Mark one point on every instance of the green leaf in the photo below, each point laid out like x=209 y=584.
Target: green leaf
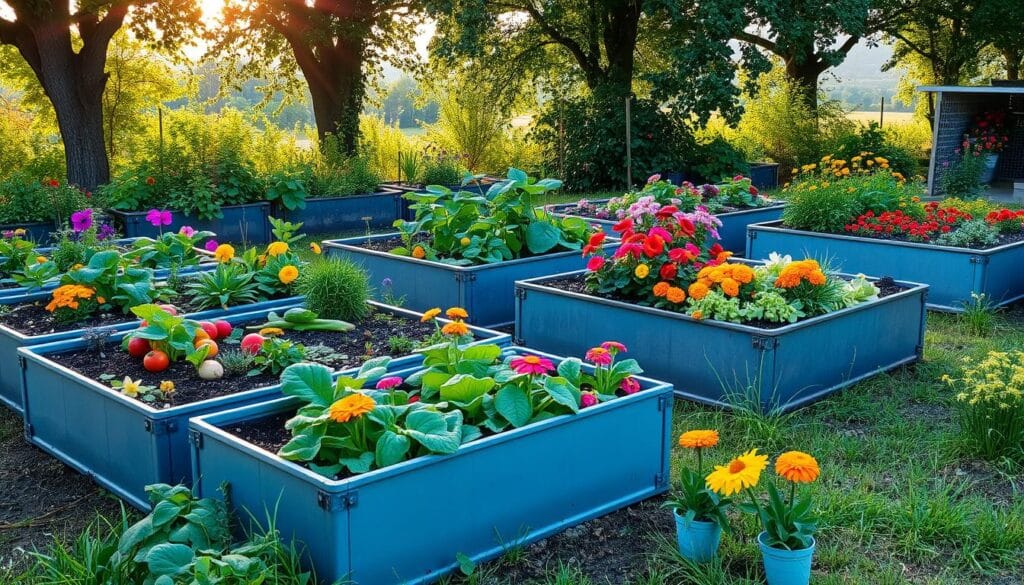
x=541 y=237
x=430 y=429
x=465 y=388
x=466 y=565
x=561 y=392
x=305 y=445
x=513 y=404
x=164 y=512
x=391 y=449
x=299 y=315
x=169 y=559
x=570 y=370
x=360 y=464
x=485 y=353
x=135 y=535
x=310 y=382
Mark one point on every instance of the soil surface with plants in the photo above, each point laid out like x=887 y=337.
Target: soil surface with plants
x=337 y=350
x=33 y=319
x=596 y=209
x=1002 y=239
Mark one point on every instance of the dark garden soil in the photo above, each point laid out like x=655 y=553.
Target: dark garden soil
x=33 y=319
x=1002 y=239
x=386 y=245
x=577 y=284
x=347 y=349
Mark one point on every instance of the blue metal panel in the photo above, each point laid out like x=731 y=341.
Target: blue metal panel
x=36 y=231
x=952 y=273
x=732 y=234
x=485 y=291
x=122 y=443
x=505 y=490
x=336 y=214
x=764 y=175
x=11 y=340
x=713 y=362
x=239 y=223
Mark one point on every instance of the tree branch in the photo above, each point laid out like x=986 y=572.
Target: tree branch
x=756 y=40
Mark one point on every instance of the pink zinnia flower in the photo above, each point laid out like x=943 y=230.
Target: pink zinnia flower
x=599 y=356
x=187 y=231
x=211 y=245
x=158 y=218
x=389 y=383
x=629 y=386
x=614 y=347
x=531 y=364
x=587 y=399
x=595 y=263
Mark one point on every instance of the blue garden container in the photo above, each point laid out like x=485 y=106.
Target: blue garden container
x=499 y=492
x=951 y=273
x=732 y=233
x=698 y=541
x=247 y=223
x=485 y=291
x=11 y=364
x=722 y=363
x=122 y=443
x=326 y=215
x=764 y=175
x=38 y=232
x=786 y=567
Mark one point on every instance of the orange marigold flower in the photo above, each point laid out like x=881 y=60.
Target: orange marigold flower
x=277 y=248
x=419 y=252
x=67 y=296
x=661 y=289
x=288 y=274
x=797 y=467
x=675 y=294
x=743 y=273
x=698 y=290
x=723 y=256
x=730 y=287
x=456 y=313
x=350 y=407
x=455 y=328
x=698 y=315
x=699 y=439
x=430 y=315
x=40 y=259
x=817 y=278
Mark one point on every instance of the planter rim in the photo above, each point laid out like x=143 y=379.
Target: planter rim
x=776 y=203
x=39 y=353
x=785 y=553
x=776 y=226
x=381 y=191
x=206 y=426
x=537 y=284
x=127 y=213
x=350 y=245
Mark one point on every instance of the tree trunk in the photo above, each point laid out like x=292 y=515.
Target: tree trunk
x=805 y=72
x=620 y=37
x=1013 y=62
x=337 y=87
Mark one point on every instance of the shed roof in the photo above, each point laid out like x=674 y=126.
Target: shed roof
x=981 y=89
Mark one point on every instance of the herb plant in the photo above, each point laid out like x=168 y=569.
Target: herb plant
x=335 y=289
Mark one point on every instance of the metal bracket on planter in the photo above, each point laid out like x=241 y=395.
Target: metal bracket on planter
x=29 y=431
x=520 y=293
x=196 y=438
x=659 y=480
x=336 y=502
x=461 y=276
x=751 y=234
x=979 y=260
x=662 y=403
x=160 y=427
x=22 y=362
x=763 y=342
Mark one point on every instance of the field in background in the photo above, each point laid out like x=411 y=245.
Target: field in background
x=890 y=117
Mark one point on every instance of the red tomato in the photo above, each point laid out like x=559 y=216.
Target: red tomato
x=137 y=347
x=210 y=329
x=223 y=329
x=156 y=361
x=252 y=343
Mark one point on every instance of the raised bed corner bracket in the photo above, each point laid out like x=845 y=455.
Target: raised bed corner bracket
x=979 y=259
x=160 y=427
x=464 y=276
x=763 y=342
x=196 y=438
x=336 y=502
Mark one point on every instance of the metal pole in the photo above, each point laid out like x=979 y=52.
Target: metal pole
x=160 y=122
x=881 y=114
x=629 y=146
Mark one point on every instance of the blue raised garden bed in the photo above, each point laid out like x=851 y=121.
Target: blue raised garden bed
x=951 y=273
x=10 y=340
x=38 y=232
x=485 y=291
x=732 y=234
x=409 y=214
x=350 y=212
x=720 y=363
x=764 y=175
x=122 y=443
x=499 y=492
x=238 y=223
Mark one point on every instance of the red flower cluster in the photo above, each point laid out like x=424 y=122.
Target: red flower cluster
x=1006 y=221
x=938 y=220
x=988 y=132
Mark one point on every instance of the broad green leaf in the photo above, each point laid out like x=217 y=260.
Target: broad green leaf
x=391 y=449
x=169 y=558
x=513 y=404
x=486 y=353
x=299 y=315
x=541 y=237
x=164 y=512
x=305 y=445
x=561 y=392
x=310 y=382
x=465 y=388
x=360 y=464
x=430 y=429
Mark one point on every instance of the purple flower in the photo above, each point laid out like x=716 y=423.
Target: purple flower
x=187 y=231
x=211 y=245
x=106 y=232
x=81 y=220
x=158 y=217
x=386 y=282
x=8 y=234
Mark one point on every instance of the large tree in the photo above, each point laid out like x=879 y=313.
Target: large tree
x=65 y=45
x=1003 y=24
x=335 y=44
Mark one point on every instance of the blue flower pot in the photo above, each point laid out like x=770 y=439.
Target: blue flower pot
x=698 y=541
x=786 y=567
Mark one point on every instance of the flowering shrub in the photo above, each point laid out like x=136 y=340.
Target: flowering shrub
x=937 y=220
x=737 y=192
x=1006 y=221
x=113 y=283
x=256 y=275
x=988 y=133
x=989 y=394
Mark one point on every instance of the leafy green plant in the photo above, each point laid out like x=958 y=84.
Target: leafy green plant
x=789 y=525
x=871 y=138
x=962 y=177
x=276 y=354
x=299 y=319
x=15 y=251
x=717 y=160
x=335 y=289
x=285 y=231
x=409 y=165
x=235 y=361
x=34 y=275
x=439 y=168
x=227 y=285
x=288 y=189
x=974 y=233
x=25 y=199
x=171 y=334
x=979 y=314
x=118 y=283
x=168 y=249
x=400 y=345
x=692 y=499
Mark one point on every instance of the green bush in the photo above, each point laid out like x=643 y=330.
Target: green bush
x=871 y=138
x=25 y=198
x=717 y=160
x=962 y=177
x=827 y=204
x=335 y=289
x=440 y=168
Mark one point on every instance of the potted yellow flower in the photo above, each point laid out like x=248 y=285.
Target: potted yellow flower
x=699 y=511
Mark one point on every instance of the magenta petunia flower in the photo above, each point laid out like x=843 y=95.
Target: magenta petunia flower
x=158 y=217
x=531 y=364
x=629 y=386
x=389 y=383
x=187 y=231
x=81 y=220
x=614 y=347
x=599 y=356
x=211 y=245
x=587 y=399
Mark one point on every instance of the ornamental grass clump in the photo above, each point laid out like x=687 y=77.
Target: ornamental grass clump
x=991 y=405
x=335 y=289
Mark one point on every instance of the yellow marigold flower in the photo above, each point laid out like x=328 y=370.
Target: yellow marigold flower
x=224 y=253
x=277 y=248
x=130 y=387
x=101 y=300
x=699 y=439
x=262 y=259
x=661 y=289
x=20 y=232
x=465 y=241
x=797 y=467
x=271 y=331
x=698 y=291
x=430 y=315
x=846 y=172
x=419 y=252
x=315 y=248
x=869 y=162
x=456 y=313
x=642 y=270
x=741 y=473
x=77 y=265
x=40 y=259
x=675 y=295
x=350 y=407
x=812 y=188
x=167 y=386
x=455 y=328
x=730 y=287
x=288 y=274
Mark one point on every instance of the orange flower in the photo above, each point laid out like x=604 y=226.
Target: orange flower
x=418 y=252
x=456 y=313
x=661 y=289
x=797 y=467
x=698 y=290
x=288 y=274
x=730 y=287
x=675 y=295
x=698 y=315
x=430 y=315
x=350 y=407
x=455 y=328
x=67 y=296
x=698 y=439
x=742 y=273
